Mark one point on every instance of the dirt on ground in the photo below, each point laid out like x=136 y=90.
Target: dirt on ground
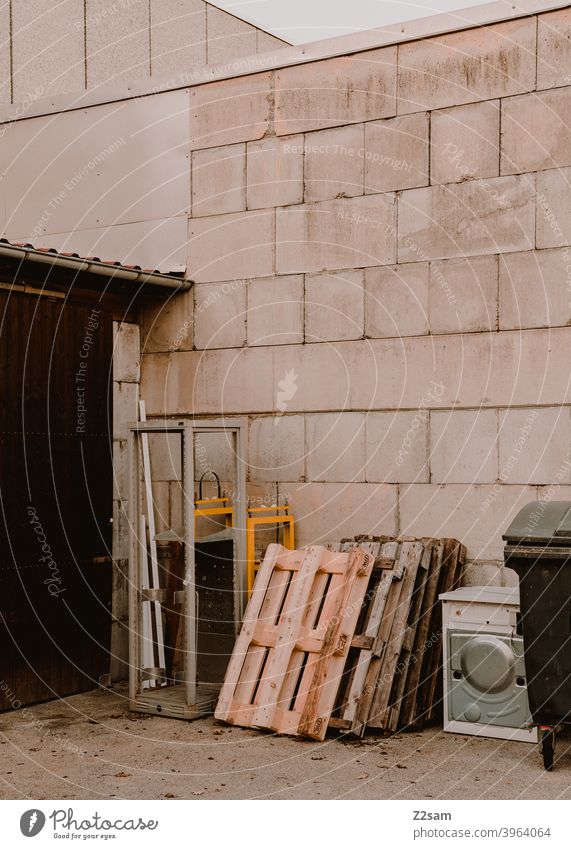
x=92 y=746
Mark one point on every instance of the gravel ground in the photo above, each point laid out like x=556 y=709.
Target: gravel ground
x=91 y=746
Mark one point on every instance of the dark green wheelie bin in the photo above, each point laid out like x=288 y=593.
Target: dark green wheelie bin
x=538 y=548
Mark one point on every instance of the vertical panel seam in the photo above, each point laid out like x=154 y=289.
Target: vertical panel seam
x=11 y=51
x=85 y=44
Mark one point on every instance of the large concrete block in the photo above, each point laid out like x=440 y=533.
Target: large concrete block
x=535 y=289
x=396 y=153
x=535 y=131
x=275 y=172
x=165 y=453
x=476 y=515
x=262 y=493
x=465 y=142
x=220 y=315
x=117 y=41
x=168 y=325
x=535 y=445
x=478 y=574
x=335 y=447
x=334 y=306
x=464 y=446
x=464 y=295
x=396 y=300
x=233 y=110
x=227 y=247
x=473 y=370
x=229 y=38
x=554 y=48
x=334 y=163
x=219 y=180
x=299 y=376
x=275 y=311
x=344 y=90
x=5 y=62
x=178 y=35
x=328 y=512
x=553 y=209
x=217 y=382
x=479 y=217
x=396 y=446
x=277 y=448
x=215 y=452
x=126 y=351
x=47 y=47
x=474 y=64
x=330 y=235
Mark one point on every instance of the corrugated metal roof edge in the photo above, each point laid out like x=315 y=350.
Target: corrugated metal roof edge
x=26 y=252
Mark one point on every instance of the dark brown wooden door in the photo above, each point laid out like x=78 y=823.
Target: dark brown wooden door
x=56 y=497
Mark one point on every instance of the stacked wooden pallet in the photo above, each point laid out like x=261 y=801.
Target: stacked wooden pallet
x=347 y=638
x=393 y=672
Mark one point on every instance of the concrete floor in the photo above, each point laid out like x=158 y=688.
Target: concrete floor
x=91 y=746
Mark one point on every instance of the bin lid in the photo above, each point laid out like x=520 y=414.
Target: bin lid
x=542 y=523
x=483 y=595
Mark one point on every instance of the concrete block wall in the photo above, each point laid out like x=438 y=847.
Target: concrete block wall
x=55 y=48
x=380 y=244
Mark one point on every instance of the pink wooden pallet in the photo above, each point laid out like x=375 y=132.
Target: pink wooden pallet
x=289 y=657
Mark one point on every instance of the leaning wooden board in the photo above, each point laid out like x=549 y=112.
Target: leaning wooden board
x=290 y=654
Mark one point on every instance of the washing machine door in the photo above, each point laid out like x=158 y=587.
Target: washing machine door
x=486 y=679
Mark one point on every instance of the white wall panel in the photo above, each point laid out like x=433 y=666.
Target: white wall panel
x=85 y=169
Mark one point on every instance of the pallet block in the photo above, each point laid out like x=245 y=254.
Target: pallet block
x=290 y=655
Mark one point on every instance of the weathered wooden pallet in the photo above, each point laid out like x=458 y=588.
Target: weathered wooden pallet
x=388 y=598
x=428 y=700
x=393 y=665
x=290 y=654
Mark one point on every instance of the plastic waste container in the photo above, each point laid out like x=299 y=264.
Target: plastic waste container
x=538 y=548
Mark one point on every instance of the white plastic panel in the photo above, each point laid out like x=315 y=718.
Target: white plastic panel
x=112 y=164
x=151 y=244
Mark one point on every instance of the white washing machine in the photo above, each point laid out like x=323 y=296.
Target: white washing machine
x=485 y=688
